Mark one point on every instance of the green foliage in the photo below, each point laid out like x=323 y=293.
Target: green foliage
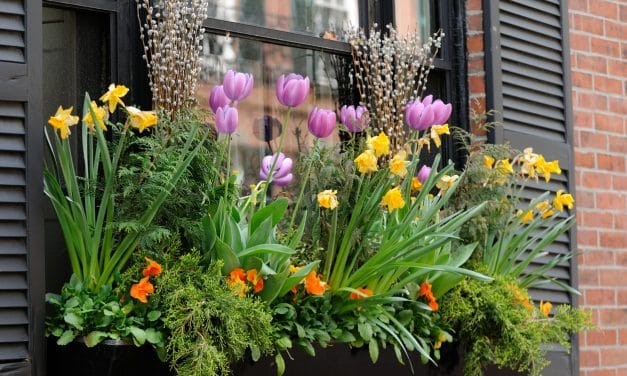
x=147 y=168
x=210 y=326
x=101 y=315
x=497 y=324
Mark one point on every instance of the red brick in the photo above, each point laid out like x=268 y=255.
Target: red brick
x=598 y=257
x=589 y=237
x=622 y=336
x=618 y=105
x=621 y=259
x=623 y=13
x=474 y=22
x=605 y=9
x=597 y=180
x=594 y=297
x=618 y=144
x=612 y=277
x=605 y=47
x=588 y=277
x=583 y=119
x=589 y=358
x=613 y=239
x=621 y=297
x=608 y=123
x=476 y=64
x=588 y=24
x=579 y=42
x=475 y=43
x=614 y=357
x=611 y=162
x=608 y=85
x=583 y=159
x=578 y=5
x=598 y=219
x=598 y=372
x=614 y=29
x=582 y=80
x=592 y=101
x=601 y=337
x=616 y=68
x=613 y=317
x=474 y=5
x=620 y=222
x=591 y=63
x=593 y=140
x=585 y=199
x=476 y=84
x=619 y=183
x=610 y=201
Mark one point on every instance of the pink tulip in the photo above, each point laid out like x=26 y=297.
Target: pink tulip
x=282 y=174
x=217 y=98
x=226 y=119
x=424 y=173
x=354 y=119
x=419 y=116
x=292 y=90
x=237 y=86
x=321 y=122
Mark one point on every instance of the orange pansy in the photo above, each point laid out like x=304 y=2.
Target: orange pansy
x=153 y=268
x=313 y=284
x=140 y=290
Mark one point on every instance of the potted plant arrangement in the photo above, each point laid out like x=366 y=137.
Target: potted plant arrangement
x=376 y=250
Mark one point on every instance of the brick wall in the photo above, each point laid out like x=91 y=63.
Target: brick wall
x=598 y=38
x=598 y=35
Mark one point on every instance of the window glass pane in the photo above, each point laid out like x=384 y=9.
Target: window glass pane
x=416 y=15
x=261 y=116
x=309 y=16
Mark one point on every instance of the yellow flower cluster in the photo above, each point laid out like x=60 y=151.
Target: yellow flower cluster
x=393 y=199
x=63 y=118
x=328 y=199
x=532 y=165
x=545 y=209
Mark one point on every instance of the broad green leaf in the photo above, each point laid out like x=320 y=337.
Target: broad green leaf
x=365 y=331
x=373 y=349
x=262 y=235
x=153 y=315
x=255 y=353
x=74 y=320
x=153 y=336
x=67 y=337
x=275 y=210
x=268 y=249
x=224 y=252
x=94 y=338
x=280 y=364
x=139 y=335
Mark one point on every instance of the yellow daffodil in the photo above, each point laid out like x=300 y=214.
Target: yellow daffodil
x=437 y=131
x=424 y=142
x=366 y=162
x=62 y=121
x=528 y=161
x=440 y=341
x=446 y=182
x=488 y=161
x=545 y=209
x=545 y=308
x=328 y=199
x=545 y=168
x=398 y=164
x=141 y=119
x=527 y=216
x=393 y=199
x=101 y=117
x=294 y=269
x=416 y=185
x=504 y=167
x=562 y=200
x=113 y=95
x=380 y=144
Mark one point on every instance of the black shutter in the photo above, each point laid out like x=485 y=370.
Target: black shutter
x=528 y=84
x=21 y=255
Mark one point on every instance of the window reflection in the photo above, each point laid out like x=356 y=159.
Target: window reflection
x=261 y=116
x=415 y=15
x=308 y=16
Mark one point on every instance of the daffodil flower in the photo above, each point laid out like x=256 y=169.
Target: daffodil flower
x=488 y=161
x=446 y=182
x=562 y=200
x=113 y=95
x=62 y=121
x=328 y=199
x=525 y=217
x=398 y=164
x=379 y=144
x=545 y=209
x=101 y=117
x=366 y=162
x=504 y=167
x=141 y=119
x=393 y=199
x=437 y=131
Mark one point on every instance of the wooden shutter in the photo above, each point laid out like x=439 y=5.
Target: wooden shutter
x=21 y=144
x=528 y=84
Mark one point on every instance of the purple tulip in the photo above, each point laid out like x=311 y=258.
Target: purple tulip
x=237 y=86
x=226 y=119
x=354 y=119
x=419 y=116
x=282 y=174
x=217 y=98
x=292 y=90
x=321 y=122
x=441 y=112
x=424 y=173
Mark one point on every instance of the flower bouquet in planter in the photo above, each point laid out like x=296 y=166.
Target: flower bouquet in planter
x=84 y=190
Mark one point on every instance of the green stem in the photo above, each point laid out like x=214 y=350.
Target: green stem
x=274 y=160
x=228 y=167
x=303 y=183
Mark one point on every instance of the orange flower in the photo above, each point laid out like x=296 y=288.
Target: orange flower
x=153 y=268
x=313 y=284
x=362 y=290
x=545 y=308
x=255 y=279
x=425 y=291
x=237 y=281
x=140 y=290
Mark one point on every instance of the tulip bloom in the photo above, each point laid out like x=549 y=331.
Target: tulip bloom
x=226 y=119
x=217 y=98
x=321 y=122
x=292 y=90
x=354 y=119
x=282 y=174
x=424 y=173
x=418 y=116
x=236 y=85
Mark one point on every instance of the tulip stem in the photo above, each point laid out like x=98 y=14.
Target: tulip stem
x=275 y=155
x=228 y=166
x=303 y=183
